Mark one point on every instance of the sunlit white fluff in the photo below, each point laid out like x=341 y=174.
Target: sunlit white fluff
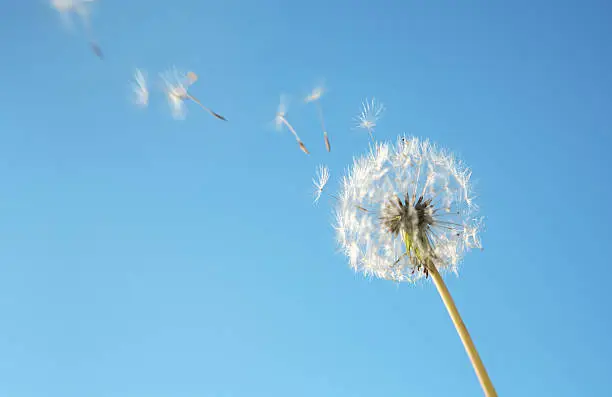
x=371 y=112
x=404 y=207
x=175 y=84
x=315 y=94
x=320 y=182
x=140 y=89
x=67 y=7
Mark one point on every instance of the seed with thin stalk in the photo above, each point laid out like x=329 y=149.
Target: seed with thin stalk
x=314 y=97
x=280 y=121
x=139 y=89
x=371 y=112
x=320 y=182
x=405 y=212
x=176 y=85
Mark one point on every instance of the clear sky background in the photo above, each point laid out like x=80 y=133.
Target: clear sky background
x=146 y=257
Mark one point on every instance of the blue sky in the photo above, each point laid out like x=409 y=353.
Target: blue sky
x=146 y=257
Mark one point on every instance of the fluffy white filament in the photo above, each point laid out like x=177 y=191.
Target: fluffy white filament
x=320 y=182
x=175 y=85
x=140 y=89
x=371 y=112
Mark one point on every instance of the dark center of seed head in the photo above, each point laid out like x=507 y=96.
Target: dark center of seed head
x=399 y=216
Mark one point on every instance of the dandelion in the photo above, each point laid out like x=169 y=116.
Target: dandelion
x=314 y=96
x=320 y=181
x=371 y=112
x=405 y=212
x=175 y=85
x=139 y=89
x=281 y=120
x=80 y=7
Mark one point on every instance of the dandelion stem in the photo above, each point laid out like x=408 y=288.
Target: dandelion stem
x=468 y=344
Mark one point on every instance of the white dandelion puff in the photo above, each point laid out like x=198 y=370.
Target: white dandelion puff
x=405 y=212
x=418 y=194
x=320 y=182
x=371 y=112
x=314 y=96
x=139 y=89
x=280 y=120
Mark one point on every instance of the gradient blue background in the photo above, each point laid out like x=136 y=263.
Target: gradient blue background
x=146 y=257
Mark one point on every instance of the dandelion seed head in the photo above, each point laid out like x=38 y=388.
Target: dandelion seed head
x=404 y=207
x=320 y=181
x=371 y=112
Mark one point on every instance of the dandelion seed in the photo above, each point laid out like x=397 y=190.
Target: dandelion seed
x=371 y=112
x=65 y=7
x=423 y=220
x=314 y=96
x=175 y=85
x=320 y=182
x=80 y=7
x=280 y=120
x=139 y=89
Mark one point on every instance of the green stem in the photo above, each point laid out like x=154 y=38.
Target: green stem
x=468 y=343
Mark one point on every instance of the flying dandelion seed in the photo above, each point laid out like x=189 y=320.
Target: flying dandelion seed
x=139 y=89
x=371 y=112
x=314 y=96
x=405 y=212
x=175 y=85
x=79 y=7
x=66 y=7
x=320 y=182
x=281 y=120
